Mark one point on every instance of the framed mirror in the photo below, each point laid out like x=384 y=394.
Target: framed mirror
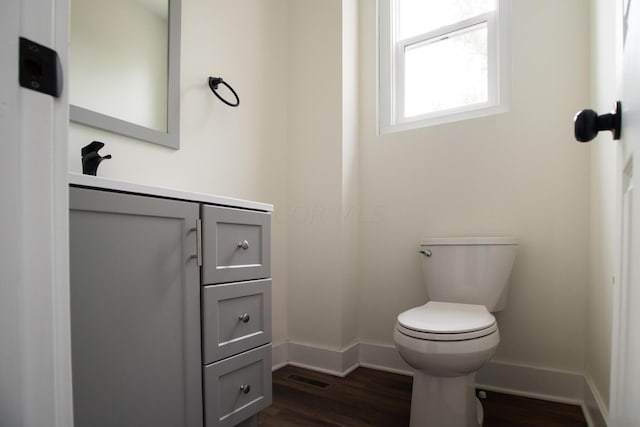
x=124 y=68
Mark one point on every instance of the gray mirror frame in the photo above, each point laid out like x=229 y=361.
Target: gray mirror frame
x=171 y=138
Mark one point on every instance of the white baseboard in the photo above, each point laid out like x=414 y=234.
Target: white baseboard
x=594 y=409
x=279 y=355
x=529 y=381
x=326 y=360
x=384 y=358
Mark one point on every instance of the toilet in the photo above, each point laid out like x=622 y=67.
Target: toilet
x=454 y=334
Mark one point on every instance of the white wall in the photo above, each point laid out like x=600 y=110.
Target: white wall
x=323 y=184
x=605 y=68
x=350 y=170
x=237 y=152
x=520 y=173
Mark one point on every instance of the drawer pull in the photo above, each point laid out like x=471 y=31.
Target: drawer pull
x=245 y=317
x=245 y=388
x=244 y=245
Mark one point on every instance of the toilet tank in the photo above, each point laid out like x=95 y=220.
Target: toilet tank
x=468 y=270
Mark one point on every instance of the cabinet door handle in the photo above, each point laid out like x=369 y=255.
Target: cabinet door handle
x=244 y=317
x=199 y=241
x=244 y=245
x=245 y=388
x=198 y=230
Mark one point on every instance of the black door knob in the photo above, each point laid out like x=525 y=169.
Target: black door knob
x=587 y=123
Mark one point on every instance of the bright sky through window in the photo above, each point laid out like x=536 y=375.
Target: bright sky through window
x=417 y=17
x=447 y=72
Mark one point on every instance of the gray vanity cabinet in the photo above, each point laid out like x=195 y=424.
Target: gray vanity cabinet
x=236 y=315
x=170 y=308
x=135 y=311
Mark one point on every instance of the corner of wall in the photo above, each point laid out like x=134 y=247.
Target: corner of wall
x=593 y=406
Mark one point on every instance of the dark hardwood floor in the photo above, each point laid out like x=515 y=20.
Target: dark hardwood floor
x=368 y=397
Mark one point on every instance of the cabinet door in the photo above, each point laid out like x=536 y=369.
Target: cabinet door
x=135 y=311
x=236 y=245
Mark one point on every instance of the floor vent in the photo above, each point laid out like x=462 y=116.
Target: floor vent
x=309 y=381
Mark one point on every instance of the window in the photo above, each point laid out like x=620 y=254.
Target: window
x=441 y=61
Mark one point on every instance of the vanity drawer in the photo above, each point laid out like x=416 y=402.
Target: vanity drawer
x=236 y=245
x=238 y=387
x=236 y=317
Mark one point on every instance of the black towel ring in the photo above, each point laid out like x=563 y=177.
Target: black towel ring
x=213 y=84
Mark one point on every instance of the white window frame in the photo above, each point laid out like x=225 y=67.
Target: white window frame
x=391 y=68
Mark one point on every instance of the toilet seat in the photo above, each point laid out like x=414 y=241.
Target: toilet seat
x=443 y=321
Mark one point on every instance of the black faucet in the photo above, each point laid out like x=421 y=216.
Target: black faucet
x=91 y=159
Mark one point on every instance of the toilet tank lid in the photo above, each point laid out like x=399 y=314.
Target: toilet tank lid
x=466 y=241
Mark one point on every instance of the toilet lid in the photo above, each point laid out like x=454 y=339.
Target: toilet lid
x=447 y=318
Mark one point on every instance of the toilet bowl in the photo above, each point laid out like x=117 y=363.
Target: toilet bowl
x=445 y=360
x=447 y=340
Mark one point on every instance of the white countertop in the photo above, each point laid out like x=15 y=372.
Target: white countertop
x=128 y=187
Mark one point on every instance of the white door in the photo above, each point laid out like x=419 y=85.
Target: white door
x=35 y=357
x=625 y=363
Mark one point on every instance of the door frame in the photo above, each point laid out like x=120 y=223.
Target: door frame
x=35 y=373
x=620 y=408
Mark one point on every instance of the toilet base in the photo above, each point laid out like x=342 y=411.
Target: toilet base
x=444 y=401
